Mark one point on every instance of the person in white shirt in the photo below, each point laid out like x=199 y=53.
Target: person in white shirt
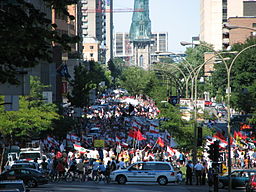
x=199 y=169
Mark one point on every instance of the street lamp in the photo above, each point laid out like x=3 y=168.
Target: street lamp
x=230 y=27
x=228 y=69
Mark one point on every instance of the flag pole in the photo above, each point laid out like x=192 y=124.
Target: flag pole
x=154 y=145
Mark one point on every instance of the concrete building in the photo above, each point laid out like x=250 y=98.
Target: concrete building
x=123 y=48
x=159 y=42
x=215 y=13
x=240 y=35
x=97 y=26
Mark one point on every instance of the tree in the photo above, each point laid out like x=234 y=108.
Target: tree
x=26 y=36
x=135 y=80
x=88 y=76
x=33 y=117
x=243 y=77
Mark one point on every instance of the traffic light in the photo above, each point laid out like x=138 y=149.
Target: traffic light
x=211 y=152
x=216 y=153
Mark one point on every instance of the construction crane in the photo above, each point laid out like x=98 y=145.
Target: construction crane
x=100 y=10
x=112 y=10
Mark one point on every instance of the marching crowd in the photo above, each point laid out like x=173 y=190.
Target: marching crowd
x=130 y=130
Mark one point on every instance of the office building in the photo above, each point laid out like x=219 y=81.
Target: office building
x=97 y=25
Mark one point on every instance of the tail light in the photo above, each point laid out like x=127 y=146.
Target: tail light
x=172 y=174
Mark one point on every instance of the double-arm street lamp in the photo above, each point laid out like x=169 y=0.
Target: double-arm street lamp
x=228 y=70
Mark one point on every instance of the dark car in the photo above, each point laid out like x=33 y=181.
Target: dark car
x=251 y=186
x=13 y=186
x=239 y=178
x=31 y=177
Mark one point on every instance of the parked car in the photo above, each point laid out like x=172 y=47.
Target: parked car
x=31 y=177
x=30 y=165
x=251 y=186
x=239 y=178
x=16 y=185
x=152 y=171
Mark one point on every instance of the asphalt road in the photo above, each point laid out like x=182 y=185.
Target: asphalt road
x=129 y=187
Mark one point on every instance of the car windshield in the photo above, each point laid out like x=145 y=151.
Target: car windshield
x=24 y=166
x=30 y=155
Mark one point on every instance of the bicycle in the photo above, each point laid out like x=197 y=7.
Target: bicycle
x=101 y=176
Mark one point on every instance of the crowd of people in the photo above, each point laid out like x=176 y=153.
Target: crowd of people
x=115 y=114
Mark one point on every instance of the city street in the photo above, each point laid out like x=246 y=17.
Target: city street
x=129 y=187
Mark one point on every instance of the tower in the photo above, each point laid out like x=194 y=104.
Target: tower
x=140 y=34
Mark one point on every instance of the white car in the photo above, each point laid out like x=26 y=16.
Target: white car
x=151 y=171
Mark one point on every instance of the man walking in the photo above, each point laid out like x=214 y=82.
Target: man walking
x=199 y=169
x=189 y=172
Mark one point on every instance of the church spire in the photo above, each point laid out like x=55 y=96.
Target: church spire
x=140 y=29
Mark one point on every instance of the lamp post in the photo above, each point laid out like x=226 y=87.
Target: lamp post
x=228 y=69
x=189 y=68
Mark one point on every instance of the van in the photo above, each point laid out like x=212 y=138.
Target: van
x=151 y=171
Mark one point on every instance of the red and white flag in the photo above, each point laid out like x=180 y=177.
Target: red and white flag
x=170 y=151
x=79 y=148
x=123 y=144
x=118 y=139
x=74 y=138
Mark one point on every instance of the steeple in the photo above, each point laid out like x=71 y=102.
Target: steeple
x=140 y=29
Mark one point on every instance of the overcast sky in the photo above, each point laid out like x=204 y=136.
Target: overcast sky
x=180 y=18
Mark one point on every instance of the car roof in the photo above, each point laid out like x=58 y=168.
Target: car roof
x=157 y=162
x=11 y=181
x=246 y=170
x=30 y=169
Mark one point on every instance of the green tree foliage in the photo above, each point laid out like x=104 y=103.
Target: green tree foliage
x=136 y=80
x=243 y=77
x=33 y=117
x=88 y=76
x=26 y=36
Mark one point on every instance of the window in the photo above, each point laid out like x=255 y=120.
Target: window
x=141 y=61
x=91 y=54
x=254 y=25
x=11 y=173
x=91 y=47
x=162 y=166
x=137 y=166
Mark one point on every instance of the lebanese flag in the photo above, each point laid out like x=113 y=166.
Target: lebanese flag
x=153 y=129
x=223 y=144
x=74 y=138
x=132 y=134
x=170 y=151
x=160 y=142
x=79 y=148
x=52 y=141
x=118 y=139
x=123 y=144
x=218 y=135
x=136 y=125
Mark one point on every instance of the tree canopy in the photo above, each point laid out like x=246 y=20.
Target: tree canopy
x=33 y=117
x=26 y=36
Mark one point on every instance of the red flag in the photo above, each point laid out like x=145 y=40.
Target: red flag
x=218 y=135
x=160 y=142
x=140 y=136
x=132 y=134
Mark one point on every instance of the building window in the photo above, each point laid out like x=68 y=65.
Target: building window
x=254 y=25
x=91 y=47
x=141 y=61
x=91 y=54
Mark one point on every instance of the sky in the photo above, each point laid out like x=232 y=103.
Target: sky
x=180 y=18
